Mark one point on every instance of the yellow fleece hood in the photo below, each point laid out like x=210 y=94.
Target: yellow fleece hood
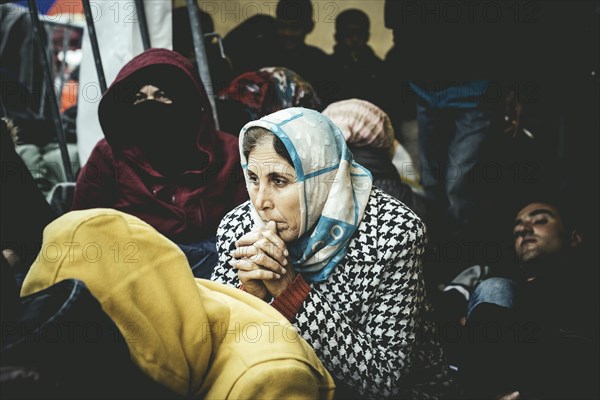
x=196 y=337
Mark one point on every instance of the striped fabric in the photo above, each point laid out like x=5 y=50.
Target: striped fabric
x=362 y=123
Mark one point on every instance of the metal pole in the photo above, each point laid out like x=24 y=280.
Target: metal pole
x=201 y=59
x=141 y=13
x=87 y=10
x=63 y=63
x=42 y=109
x=62 y=143
x=3 y=112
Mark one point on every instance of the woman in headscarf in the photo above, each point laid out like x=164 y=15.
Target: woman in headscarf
x=162 y=159
x=255 y=94
x=370 y=136
x=337 y=257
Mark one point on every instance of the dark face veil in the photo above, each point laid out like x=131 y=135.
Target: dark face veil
x=165 y=133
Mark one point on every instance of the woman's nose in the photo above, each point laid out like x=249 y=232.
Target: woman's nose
x=263 y=198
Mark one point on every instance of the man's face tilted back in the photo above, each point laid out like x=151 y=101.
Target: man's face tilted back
x=540 y=234
x=538 y=231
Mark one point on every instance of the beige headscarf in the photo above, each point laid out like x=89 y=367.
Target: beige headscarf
x=362 y=123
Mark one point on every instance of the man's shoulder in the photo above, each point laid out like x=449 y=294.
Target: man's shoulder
x=315 y=51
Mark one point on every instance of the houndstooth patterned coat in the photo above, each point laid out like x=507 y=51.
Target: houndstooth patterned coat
x=366 y=321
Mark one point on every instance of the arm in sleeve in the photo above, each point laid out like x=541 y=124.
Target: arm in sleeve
x=232 y=227
x=96 y=184
x=373 y=357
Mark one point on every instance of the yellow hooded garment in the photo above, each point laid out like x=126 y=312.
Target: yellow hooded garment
x=196 y=337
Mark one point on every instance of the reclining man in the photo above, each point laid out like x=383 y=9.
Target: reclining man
x=536 y=336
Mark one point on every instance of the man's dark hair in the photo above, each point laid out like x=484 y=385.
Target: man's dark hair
x=566 y=211
x=183 y=42
x=352 y=16
x=297 y=13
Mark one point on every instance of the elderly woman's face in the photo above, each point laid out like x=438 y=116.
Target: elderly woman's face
x=273 y=190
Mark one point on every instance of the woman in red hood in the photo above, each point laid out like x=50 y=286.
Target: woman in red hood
x=162 y=159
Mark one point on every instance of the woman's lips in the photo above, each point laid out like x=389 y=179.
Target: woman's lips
x=528 y=240
x=281 y=226
x=278 y=223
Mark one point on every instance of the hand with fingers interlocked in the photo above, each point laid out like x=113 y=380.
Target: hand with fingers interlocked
x=261 y=259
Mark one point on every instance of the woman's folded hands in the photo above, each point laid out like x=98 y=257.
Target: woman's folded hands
x=261 y=259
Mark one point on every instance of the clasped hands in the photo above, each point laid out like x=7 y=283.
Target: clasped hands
x=261 y=260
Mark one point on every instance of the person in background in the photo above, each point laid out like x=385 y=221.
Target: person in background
x=359 y=73
x=249 y=45
x=293 y=23
x=162 y=159
x=24 y=211
x=547 y=314
x=263 y=41
x=25 y=100
x=370 y=136
x=253 y=95
x=450 y=64
x=183 y=43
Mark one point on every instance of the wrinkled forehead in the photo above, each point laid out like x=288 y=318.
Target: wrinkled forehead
x=264 y=160
x=298 y=128
x=311 y=139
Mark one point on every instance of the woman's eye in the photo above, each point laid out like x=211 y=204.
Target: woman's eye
x=542 y=221
x=279 y=181
x=252 y=179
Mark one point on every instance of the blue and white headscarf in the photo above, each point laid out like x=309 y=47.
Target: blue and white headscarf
x=333 y=188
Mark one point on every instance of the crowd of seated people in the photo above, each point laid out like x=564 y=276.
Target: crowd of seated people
x=289 y=254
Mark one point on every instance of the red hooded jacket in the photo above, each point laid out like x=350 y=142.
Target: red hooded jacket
x=187 y=206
